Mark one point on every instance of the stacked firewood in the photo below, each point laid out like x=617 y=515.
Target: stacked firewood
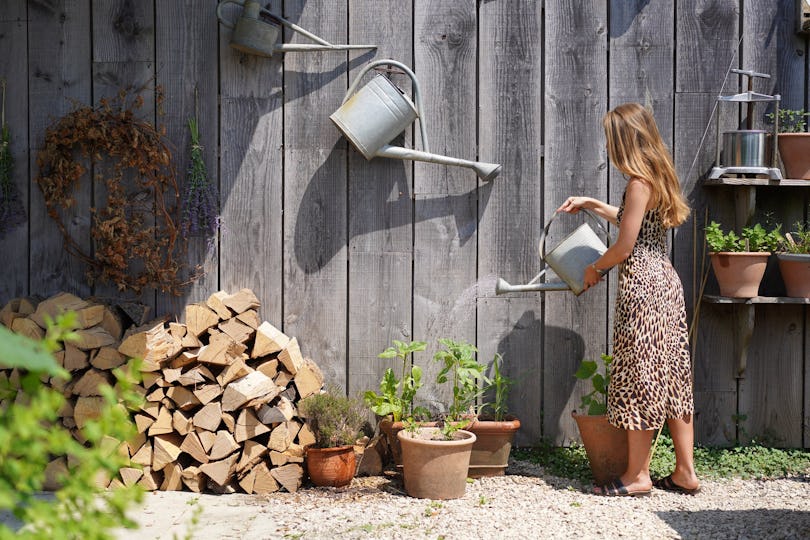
x=221 y=391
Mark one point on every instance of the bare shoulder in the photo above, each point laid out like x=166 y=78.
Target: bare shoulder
x=638 y=192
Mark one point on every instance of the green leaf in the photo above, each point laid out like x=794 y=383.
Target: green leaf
x=586 y=369
x=18 y=351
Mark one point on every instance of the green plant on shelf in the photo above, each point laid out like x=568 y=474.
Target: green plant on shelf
x=753 y=239
x=791 y=120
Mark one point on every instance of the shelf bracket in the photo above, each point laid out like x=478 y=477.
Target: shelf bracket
x=743 y=328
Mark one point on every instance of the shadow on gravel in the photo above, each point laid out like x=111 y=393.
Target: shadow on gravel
x=758 y=523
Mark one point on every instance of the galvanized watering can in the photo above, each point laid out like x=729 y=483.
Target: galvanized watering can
x=568 y=260
x=254 y=35
x=378 y=112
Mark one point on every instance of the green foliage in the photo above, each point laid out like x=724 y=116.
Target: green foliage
x=31 y=436
x=467 y=375
x=755 y=238
x=797 y=241
x=791 y=121
x=396 y=395
x=335 y=419
x=595 y=402
x=499 y=386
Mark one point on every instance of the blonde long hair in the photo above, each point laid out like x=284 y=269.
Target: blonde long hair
x=635 y=148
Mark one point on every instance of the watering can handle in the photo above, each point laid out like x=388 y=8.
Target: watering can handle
x=256 y=6
x=226 y=23
x=417 y=95
x=594 y=217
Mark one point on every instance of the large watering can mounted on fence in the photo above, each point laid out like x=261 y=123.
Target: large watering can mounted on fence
x=568 y=260
x=378 y=112
x=253 y=34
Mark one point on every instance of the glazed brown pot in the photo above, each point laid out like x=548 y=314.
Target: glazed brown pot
x=605 y=445
x=739 y=273
x=331 y=466
x=794 y=149
x=435 y=469
x=493 y=442
x=795 y=269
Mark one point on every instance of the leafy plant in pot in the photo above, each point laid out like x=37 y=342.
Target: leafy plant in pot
x=395 y=402
x=605 y=444
x=739 y=262
x=335 y=421
x=794 y=142
x=794 y=261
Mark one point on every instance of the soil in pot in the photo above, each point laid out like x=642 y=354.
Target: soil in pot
x=605 y=445
x=739 y=273
x=435 y=469
x=331 y=466
x=493 y=442
x=795 y=269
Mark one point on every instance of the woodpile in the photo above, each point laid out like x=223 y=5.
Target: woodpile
x=221 y=391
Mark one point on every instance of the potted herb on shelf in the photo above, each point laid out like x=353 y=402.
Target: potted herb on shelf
x=794 y=143
x=794 y=261
x=605 y=444
x=739 y=262
x=395 y=402
x=335 y=421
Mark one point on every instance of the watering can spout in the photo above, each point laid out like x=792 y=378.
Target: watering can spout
x=485 y=171
x=503 y=287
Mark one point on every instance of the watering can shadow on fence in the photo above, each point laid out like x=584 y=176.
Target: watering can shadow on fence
x=373 y=116
x=568 y=260
x=253 y=34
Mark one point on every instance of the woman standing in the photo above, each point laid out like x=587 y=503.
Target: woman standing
x=651 y=376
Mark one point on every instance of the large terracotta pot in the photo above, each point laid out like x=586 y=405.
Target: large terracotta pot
x=605 y=445
x=795 y=269
x=739 y=273
x=390 y=429
x=794 y=148
x=331 y=466
x=435 y=469
x=493 y=442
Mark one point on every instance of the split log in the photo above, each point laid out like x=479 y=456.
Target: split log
x=291 y=357
x=162 y=425
x=150 y=480
x=207 y=393
x=87 y=408
x=220 y=471
x=75 y=358
x=309 y=379
x=241 y=301
x=193 y=479
x=209 y=417
x=181 y=423
x=199 y=318
x=250 y=318
x=106 y=358
x=91 y=316
x=215 y=302
x=56 y=305
x=172 y=478
x=265 y=482
x=130 y=475
x=249 y=387
x=269 y=340
x=28 y=328
x=224 y=445
x=283 y=411
x=192 y=446
x=89 y=383
x=165 y=450
x=248 y=426
x=238 y=331
x=289 y=476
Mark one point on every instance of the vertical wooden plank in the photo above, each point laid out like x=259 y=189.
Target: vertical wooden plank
x=14 y=72
x=446 y=197
x=510 y=132
x=251 y=183
x=315 y=192
x=575 y=164
x=186 y=59
x=706 y=42
x=123 y=58
x=59 y=70
x=380 y=213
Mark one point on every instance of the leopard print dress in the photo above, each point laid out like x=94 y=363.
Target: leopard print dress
x=651 y=375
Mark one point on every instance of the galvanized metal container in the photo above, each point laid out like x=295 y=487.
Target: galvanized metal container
x=746 y=148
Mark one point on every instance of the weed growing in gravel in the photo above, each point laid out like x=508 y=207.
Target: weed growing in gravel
x=748 y=462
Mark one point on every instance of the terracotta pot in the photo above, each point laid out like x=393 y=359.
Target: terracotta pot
x=795 y=269
x=605 y=445
x=391 y=429
x=435 y=469
x=331 y=466
x=493 y=442
x=794 y=148
x=739 y=273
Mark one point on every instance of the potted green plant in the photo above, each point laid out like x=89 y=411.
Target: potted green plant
x=605 y=444
x=435 y=459
x=739 y=262
x=335 y=421
x=395 y=402
x=794 y=261
x=794 y=142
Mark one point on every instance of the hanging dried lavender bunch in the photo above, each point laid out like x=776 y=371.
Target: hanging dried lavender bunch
x=201 y=204
x=12 y=211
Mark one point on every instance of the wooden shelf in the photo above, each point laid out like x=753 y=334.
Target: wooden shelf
x=713 y=299
x=788 y=182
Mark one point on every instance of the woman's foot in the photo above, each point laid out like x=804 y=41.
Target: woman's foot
x=685 y=485
x=622 y=486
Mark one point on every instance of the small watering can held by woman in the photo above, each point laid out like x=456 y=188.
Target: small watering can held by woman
x=253 y=34
x=568 y=260
x=378 y=112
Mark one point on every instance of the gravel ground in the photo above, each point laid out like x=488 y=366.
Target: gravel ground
x=526 y=503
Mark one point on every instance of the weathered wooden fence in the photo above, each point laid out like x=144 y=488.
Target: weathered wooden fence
x=348 y=255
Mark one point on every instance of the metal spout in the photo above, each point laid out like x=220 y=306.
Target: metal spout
x=485 y=171
x=303 y=47
x=502 y=287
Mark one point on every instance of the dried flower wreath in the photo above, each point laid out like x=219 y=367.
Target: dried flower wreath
x=135 y=236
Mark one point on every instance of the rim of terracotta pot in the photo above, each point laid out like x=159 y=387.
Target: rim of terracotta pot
x=495 y=425
x=466 y=437
x=331 y=449
x=801 y=257
x=742 y=253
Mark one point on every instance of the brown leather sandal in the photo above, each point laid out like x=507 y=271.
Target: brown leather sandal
x=668 y=484
x=617 y=489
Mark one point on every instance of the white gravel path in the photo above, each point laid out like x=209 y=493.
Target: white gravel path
x=525 y=503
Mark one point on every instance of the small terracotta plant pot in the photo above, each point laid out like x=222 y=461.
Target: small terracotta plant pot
x=795 y=269
x=331 y=466
x=493 y=442
x=605 y=445
x=739 y=273
x=435 y=469
x=794 y=148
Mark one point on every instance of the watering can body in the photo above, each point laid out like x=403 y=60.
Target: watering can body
x=374 y=115
x=568 y=260
x=253 y=34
